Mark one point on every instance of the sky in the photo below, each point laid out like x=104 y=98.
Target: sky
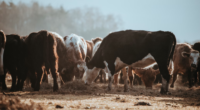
x=182 y=17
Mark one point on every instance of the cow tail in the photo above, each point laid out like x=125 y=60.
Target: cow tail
x=173 y=48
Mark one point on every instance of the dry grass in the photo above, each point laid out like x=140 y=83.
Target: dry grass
x=77 y=95
x=15 y=103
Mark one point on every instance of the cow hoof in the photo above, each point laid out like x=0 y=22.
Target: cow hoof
x=12 y=90
x=108 y=89
x=36 y=89
x=55 y=89
x=172 y=86
x=126 y=90
x=4 y=88
x=163 y=92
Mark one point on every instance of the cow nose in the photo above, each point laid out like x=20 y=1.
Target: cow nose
x=193 y=65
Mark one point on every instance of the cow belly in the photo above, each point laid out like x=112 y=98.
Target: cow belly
x=146 y=61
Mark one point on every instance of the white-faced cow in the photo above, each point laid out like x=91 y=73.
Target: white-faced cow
x=2 y=45
x=185 y=61
x=42 y=51
x=124 y=48
x=77 y=51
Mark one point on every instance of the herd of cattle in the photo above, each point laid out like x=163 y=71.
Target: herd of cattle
x=149 y=55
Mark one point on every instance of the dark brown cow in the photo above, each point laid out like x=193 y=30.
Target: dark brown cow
x=124 y=48
x=185 y=61
x=2 y=45
x=14 y=60
x=42 y=51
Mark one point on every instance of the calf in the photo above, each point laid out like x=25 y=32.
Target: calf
x=185 y=61
x=147 y=76
x=77 y=51
x=42 y=51
x=14 y=61
x=2 y=45
x=124 y=48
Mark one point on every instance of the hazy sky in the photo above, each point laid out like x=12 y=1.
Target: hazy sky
x=182 y=17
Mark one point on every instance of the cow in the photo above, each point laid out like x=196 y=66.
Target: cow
x=124 y=48
x=147 y=76
x=102 y=75
x=42 y=51
x=14 y=61
x=196 y=46
x=77 y=51
x=185 y=61
x=2 y=45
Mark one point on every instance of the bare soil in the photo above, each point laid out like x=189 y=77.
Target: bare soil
x=76 y=95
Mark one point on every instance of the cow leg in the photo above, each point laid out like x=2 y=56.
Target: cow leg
x=13 y=74
x=101 y=76
x=4 y=87
x=116 y=82
x=54 y=75
x=96 y=79
x=174 y=78
x=190 y=78
x=125 y=78
x=130 y=75
x=32 y=77
x=18 y=82
x=165 y=79
x=111 y=71
x=104 y=76
x=38 y=79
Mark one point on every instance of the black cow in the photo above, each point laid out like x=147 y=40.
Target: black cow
x=2 y=45
x=42 y=51
x=123 y=48
x=196 y=46
x=14 y=61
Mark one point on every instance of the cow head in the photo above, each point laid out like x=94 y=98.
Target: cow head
x=80 y=69
x=91 y=74
x=193 y=61
x=193 y=57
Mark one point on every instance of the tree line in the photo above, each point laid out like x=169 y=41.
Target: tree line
x=88 y=22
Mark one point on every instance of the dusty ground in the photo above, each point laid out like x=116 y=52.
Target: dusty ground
x=76 y=95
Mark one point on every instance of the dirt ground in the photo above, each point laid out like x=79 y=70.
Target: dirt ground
x=76 y=95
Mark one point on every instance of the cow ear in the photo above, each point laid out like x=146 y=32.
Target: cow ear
x=185 y=54
x=65 y=38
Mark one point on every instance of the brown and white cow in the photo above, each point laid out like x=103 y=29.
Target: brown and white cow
x=2 y=45
x=185 y=61
x=96 y=44
x=76 y=53
x=125 y=48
